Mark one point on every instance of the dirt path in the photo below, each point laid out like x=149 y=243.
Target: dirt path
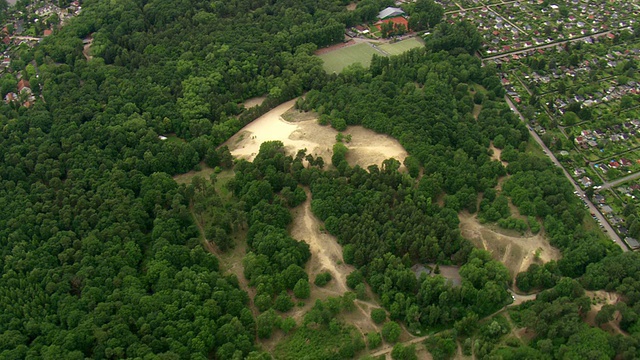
x=86 y=49
x=515 y=252
x=496 y=154
x=326 y=253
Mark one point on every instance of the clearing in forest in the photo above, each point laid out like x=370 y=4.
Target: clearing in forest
x=400 y=47
x=304 y=132
x=599 y=299
x=515 y=252
x=335 y=61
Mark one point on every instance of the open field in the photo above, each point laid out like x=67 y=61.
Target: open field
x=337 y=60
x=515 y=252
x=401 y=46
x=366 y=147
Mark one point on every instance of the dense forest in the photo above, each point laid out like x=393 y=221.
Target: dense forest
x=101 y=253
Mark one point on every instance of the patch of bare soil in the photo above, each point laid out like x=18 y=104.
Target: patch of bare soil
x=598 y=300
x=334 y=47
x=249 y=103
x=450 y=272
x=496 y=154
x=476 y=111
x=87 y=48
x=185 y=178
x=515 y=252
x=352 y=6
x=326 y=253
x=366 y=147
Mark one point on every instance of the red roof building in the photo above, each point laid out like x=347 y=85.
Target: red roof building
x=23 y=85
x=47 y=32
x=397 y=21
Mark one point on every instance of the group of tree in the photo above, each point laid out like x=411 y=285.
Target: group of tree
x=100 y=255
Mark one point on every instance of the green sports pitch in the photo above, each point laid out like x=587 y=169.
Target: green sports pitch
x=337 y=60
x=400 y=46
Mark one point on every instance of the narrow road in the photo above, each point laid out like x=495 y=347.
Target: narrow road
x=592 y=208
x=533 y=48
x=26 y=38
x=610 y=184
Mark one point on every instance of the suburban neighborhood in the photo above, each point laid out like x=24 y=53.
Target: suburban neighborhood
x=26 y=26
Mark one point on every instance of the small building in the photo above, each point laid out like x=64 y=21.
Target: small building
x=606 y=209
x=23 y=86
x=633 y=243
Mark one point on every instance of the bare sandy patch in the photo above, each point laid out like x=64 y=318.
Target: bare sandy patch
x=326 y=253
x=366 y=147
x=476 y=111
x=352 y=6
x=256 y=101
x=599 y=299
x=326 y=256
x=496 y=154
x=515 y=252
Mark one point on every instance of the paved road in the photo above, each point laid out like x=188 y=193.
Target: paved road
x=533 y=48
x=26 y=38
x=613 y=183
x=592 y=208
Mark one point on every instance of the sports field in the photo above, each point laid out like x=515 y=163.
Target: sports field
x=337 y=60
x=400 y=46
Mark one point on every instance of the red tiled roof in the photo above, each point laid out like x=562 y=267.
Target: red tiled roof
x=398 y=20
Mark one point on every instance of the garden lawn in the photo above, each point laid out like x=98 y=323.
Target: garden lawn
x=337 y=60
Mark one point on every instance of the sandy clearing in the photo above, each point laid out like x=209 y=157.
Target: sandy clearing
x=86 y=48
x=352 y=6
x=366 y=147
x=249 y=103
x=598 y=300
x=496 y=154
x=326 y=253
x=515 y=252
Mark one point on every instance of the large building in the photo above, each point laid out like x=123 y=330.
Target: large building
x=390 y=12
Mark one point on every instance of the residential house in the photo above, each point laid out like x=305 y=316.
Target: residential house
x=606 y=209
x=23 y=86
x=633 y=243
x=10 y=97
x=586 y=181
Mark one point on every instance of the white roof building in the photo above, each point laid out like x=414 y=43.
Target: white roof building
x=390 y=12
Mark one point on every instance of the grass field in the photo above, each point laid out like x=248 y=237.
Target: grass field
x=400 y=46
x=337 y=60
